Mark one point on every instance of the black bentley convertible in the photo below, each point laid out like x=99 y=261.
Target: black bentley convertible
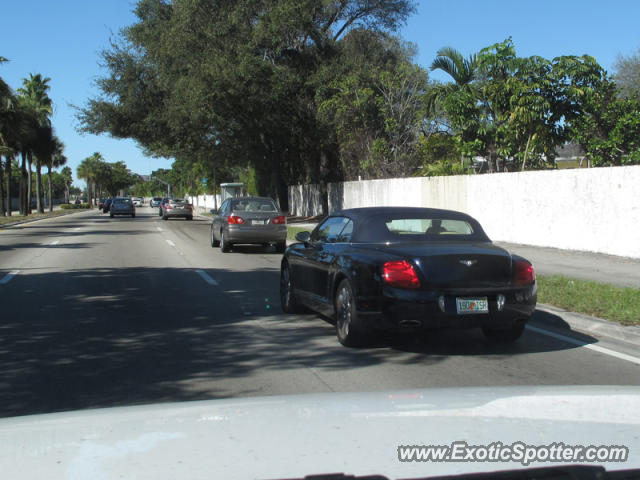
x=399 y=268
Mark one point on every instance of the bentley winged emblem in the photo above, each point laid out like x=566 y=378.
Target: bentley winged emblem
x=468 y=263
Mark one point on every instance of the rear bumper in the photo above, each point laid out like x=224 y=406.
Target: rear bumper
x=250 y=234
x=402 y=310
x=122 y=212
x=179 y=213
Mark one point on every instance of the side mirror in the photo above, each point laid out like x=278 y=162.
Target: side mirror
x=213 y=211
x=303 y=236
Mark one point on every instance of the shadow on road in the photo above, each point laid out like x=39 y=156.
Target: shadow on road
x=105 y=337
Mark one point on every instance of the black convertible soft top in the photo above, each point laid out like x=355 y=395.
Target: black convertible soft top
x=369 y=223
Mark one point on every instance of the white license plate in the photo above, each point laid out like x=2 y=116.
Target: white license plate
x=257 y=222
x=472 y=305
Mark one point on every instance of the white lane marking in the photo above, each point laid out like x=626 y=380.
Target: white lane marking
x=205 y=276
x=55 y=242
x=77 y=229
x=159 y=229
x=170 y=242
x=7 y=278
x=580 y=343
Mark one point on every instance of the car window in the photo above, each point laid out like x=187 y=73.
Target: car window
x=345 y=235
x=261 y=206
x=428 y=226
x=329 y=230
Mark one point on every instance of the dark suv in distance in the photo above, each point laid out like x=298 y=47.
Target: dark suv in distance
x=155 y=201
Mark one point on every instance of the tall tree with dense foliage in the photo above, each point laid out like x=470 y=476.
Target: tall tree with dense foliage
x=233 y=83
x=627 y=75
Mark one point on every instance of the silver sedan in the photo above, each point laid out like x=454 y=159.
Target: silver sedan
x=176 y=208
x=248 y=220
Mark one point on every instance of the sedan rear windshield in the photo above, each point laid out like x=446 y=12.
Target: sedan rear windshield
x=255 y=205
x=124 y=201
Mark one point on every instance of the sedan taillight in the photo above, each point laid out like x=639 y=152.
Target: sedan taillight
x=523 y=273
x=234 y=220
x=401 y=274
x=281 y=220
x=167 y=206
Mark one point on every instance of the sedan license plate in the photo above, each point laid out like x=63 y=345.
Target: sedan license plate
x=472 y=305
x=257 y=222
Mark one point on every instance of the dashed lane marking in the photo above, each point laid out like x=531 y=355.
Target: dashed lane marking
x=7 y=278
x=205 y=276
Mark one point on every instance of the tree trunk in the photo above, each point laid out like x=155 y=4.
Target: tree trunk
x=3 y=210
x=8 y=175
x=40 y=206
x=29 y=189
x=526 y=153
x=50 y=182
x=23 y=185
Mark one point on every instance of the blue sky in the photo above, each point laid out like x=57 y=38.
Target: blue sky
x=61 y=39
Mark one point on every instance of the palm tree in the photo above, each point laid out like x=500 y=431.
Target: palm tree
x=7 y=123
x=88 y=171
x=67 y=174
x=33 y=96
x=55 y=160
x=462 y=70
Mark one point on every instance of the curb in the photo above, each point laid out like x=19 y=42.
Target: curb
x=594 y=326
x=31 y=220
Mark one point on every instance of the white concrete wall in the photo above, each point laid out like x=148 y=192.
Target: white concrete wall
x=203 y=203
x=596 y=209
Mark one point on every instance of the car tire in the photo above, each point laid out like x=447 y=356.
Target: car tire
x=349 y=329
x=133 y=215
x=288 y=301
x=160 y=212
x=190 y=218
x=111 y=215
x=507 y=335
x=281 y=247
x=214 y=242
x=225 y=246
x=164 y=217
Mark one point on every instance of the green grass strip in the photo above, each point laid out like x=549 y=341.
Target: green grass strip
x=618 y=304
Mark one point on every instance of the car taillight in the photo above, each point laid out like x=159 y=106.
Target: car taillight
x=281 y=220
x=189 y=207
x=233 y=220
x=401 y=274
x=167 y=206
x=523 y=272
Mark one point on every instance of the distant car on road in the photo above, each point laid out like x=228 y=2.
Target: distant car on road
x=397 y=268
x=177 y=208
x=106 y=205
x=122 y=206
x=155 y=202
x=163 y=200
x=248 y=220
x=137 y=201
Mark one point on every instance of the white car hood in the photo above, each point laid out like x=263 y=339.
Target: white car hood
x=294 y=436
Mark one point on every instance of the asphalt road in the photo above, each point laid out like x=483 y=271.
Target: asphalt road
x=98 y=312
